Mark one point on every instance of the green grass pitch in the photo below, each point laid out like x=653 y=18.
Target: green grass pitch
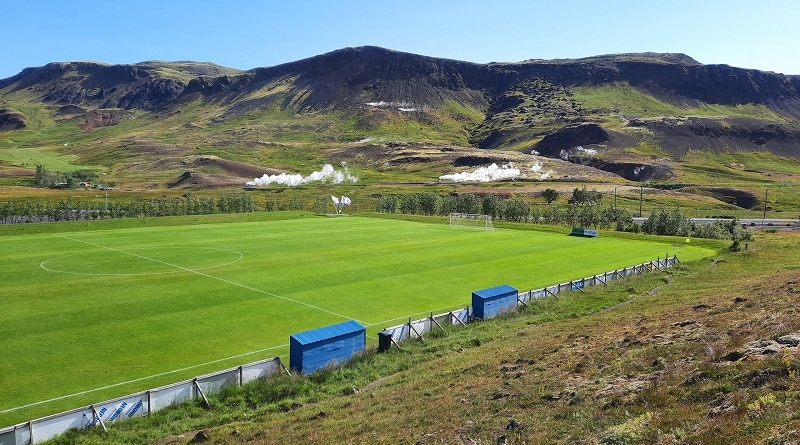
x=153 y=305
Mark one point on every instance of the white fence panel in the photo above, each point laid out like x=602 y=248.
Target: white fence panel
x=420 y=327
x=462 y=315
x=48 y=427
x=537 y=294
x=215 y=382
x=259 y=370
x=444 y=319
x=400 y=333
x=16 y=435
x=170 y=395
x=23 y=435
x=8 y=436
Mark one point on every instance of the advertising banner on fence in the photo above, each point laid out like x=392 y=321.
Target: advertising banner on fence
x=115 y=410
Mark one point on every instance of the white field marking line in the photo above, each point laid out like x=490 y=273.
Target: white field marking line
x=233 y=283
x=113 y=385
x=215 y=266
x=88 y=391
x=459 y=306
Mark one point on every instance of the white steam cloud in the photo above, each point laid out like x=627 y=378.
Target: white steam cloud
x=328 y=174
x=565 y=154
x=401 y=106
x=485 y=174
x=588 y=151
x=495 y=173
x=537 y=168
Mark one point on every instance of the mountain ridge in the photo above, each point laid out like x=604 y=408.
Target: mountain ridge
x=666 y=100
x=399 y=65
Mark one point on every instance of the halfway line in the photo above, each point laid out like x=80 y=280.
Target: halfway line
x=244 y=286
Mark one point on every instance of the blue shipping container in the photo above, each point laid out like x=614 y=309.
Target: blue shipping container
x=317 y=348
x=491 y=302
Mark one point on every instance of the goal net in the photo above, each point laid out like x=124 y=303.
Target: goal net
x=471 y=221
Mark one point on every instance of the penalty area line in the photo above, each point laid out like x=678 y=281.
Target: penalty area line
x=232 y=283
x=114 y=385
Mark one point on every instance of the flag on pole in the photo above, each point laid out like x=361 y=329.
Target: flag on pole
x=335 y=199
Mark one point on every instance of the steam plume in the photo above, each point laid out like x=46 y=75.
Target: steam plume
x=485 y=174
x=328 y=174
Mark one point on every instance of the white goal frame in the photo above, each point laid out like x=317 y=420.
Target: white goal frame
x=470 y=221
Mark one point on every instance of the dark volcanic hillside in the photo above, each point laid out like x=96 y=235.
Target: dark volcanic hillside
x=352 y=77
x=604 y=104
x=147 y=85
x=674 y=77
x=356 y=76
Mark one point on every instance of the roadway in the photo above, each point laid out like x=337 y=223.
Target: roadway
x=747 y=222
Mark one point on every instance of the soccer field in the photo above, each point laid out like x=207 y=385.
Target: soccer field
x=132 y=309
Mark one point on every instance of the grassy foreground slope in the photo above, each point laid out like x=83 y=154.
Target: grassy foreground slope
x=676 y=357
x=129 y=309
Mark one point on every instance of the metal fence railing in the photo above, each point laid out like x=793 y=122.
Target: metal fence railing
x=136 y=405
x=418 y=328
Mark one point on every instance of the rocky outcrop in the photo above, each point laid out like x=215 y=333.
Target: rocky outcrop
x=151 y=95
x=472 y=161
x=11 y=120
x=578 y=135
x=677 y=135
x=69 y=110
x=101 y=118
x=632 y=171
x=574 y=143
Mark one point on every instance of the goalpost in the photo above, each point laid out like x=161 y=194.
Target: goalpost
x=471 y=221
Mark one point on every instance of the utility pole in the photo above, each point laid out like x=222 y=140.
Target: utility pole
x=640 y=201
x=766 y=197
x=105 y=186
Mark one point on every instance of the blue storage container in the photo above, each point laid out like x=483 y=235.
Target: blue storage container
x=491 y=302
x=317 y=348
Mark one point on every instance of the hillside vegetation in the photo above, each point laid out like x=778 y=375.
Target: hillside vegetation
x=405 y=119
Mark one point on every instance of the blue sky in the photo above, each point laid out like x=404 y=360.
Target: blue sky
x=244 y=34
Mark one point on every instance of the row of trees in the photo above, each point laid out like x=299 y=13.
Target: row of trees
x=673 y=222
x=517 y=209
x=77 y=210
x=583 y=209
